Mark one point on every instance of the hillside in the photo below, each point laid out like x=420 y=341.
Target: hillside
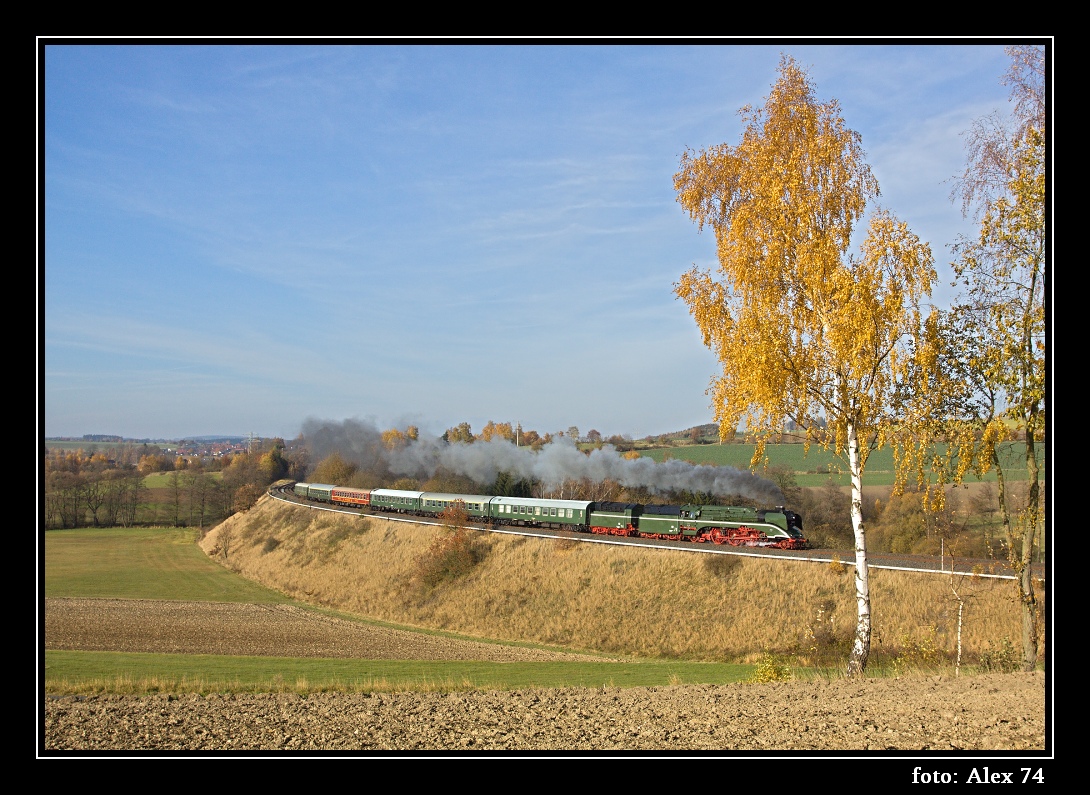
x=605 y=599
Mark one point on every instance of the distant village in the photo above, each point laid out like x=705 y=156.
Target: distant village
x=203 y=447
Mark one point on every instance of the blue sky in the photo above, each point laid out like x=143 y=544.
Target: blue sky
x=241 y=238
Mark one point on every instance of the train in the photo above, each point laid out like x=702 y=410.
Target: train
x=733 y=525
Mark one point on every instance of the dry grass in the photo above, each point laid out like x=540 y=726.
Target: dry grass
x=619 y=600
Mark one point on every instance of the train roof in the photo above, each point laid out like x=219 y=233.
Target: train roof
x=435 y=495
x=395 y=493
x=544 y=503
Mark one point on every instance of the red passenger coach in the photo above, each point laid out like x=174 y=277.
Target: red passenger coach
x=355 y=497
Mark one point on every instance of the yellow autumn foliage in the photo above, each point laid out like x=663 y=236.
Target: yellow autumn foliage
x=805 y=331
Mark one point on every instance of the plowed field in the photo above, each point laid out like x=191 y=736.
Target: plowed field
x=971 y=714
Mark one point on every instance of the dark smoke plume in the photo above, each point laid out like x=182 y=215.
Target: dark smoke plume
x=555 y=463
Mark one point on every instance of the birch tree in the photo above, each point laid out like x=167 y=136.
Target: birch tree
x=1002 y=310
x=805 y=331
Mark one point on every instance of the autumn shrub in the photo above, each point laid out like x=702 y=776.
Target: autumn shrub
x=450 y=557
x=824 y=643
x=838 y=567
x=904 y=526
x=918 y=653
x=1001 y=658
x=455 y=553
x=770 y=669
x=246 y=496
x=333 y=469
x=827 y=515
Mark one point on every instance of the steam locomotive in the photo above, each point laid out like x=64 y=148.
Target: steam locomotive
x=718 y=524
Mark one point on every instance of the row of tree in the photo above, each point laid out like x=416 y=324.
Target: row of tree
x=859 y=358
x=463 y=432
x=91 y=489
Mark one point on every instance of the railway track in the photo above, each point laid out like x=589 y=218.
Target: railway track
x=927 y=564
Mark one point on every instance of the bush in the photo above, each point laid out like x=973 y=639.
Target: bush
x=246 y=496
x=455 y=553
x=838 y=567
x=822 y=645
x=919 y=654
x=450 y=557
x=770 y=670
x=826 y=512
x=1002 y=659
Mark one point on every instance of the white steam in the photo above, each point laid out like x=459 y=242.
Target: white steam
x=554 y=464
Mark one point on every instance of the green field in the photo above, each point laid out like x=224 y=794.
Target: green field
x=162 y=480
x=165 y=563
x=87 y=444
x=81 y=671
x=816 y=467
x=142 y=563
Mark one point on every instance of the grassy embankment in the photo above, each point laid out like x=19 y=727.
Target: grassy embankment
x=678 y=604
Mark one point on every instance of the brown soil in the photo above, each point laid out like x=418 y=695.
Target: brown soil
x=167 y=627
x=969 y=713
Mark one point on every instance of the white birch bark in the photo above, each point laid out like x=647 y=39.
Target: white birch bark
x=857 y=662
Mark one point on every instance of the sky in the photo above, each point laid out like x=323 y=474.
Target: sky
x=242 y=237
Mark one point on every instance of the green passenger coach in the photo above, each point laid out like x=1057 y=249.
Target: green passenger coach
x=476 y=505
x=531 y=512
x=323 y=492
x=396 y=500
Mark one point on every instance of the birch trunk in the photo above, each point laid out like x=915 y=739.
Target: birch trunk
x=857 y=662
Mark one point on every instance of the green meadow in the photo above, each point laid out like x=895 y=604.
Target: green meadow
x=142 y=563
x=817 y=466
x=117 y=672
